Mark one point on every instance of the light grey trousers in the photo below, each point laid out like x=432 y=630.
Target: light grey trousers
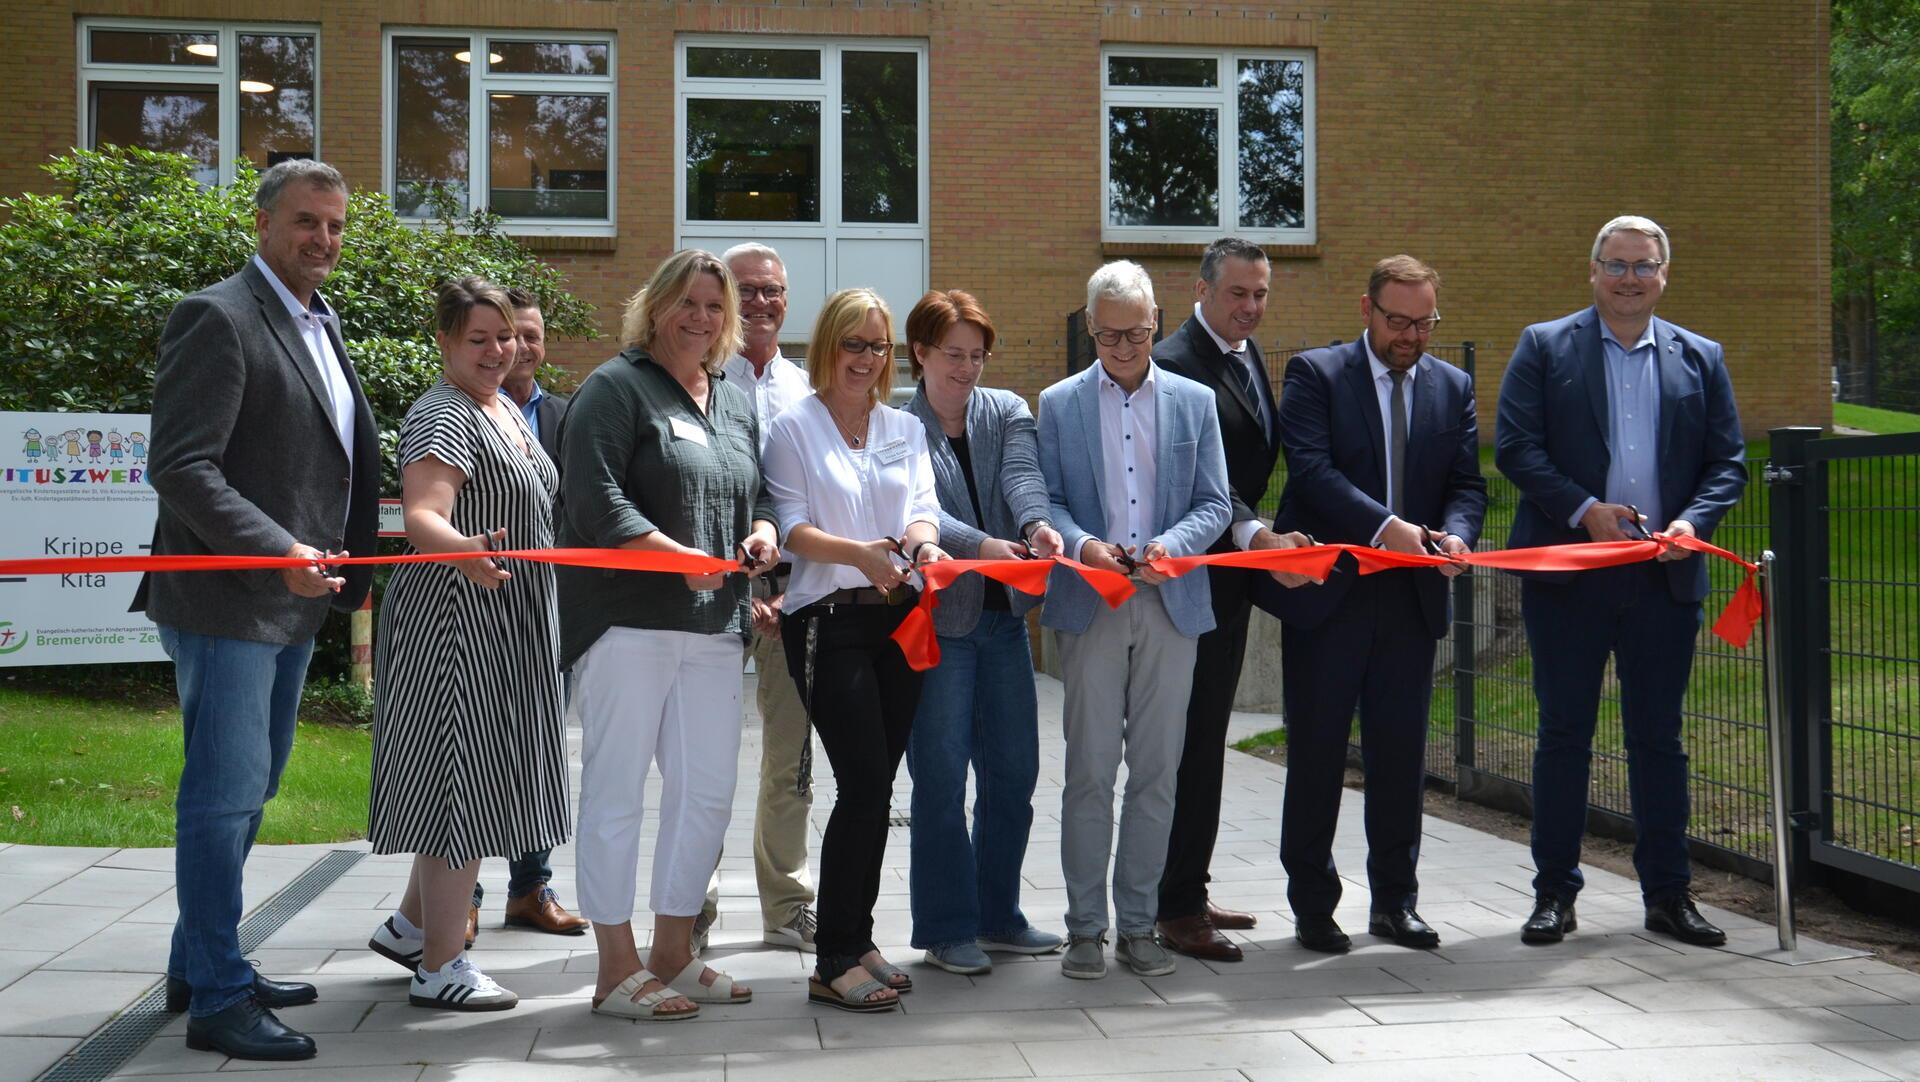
x=1127 y=679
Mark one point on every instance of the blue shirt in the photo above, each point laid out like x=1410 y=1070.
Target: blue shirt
x=1633 y=407
x=531 y=411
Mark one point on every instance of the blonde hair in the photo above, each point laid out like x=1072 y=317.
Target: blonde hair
x=840 y=317
x=671 y=282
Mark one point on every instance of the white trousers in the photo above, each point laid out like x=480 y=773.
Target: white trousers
x=670 y=698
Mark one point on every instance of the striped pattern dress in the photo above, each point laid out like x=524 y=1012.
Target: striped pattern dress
x=469 y=742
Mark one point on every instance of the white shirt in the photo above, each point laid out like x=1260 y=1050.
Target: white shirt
x=777 y=389
x=1383 y=387
x=874 y=492
x=1244 y=529
x=1128 y=423
x=312 y=323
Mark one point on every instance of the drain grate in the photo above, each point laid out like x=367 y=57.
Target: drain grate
x=109 y=1049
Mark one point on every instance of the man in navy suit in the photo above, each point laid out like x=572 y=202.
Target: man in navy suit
x=1611 y=419
x=1383 y=449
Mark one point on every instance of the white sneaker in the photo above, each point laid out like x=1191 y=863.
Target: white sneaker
x=401 y=950
x=459 y=986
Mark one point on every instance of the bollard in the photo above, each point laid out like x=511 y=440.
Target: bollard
x=360 y=643
x=1777 y=782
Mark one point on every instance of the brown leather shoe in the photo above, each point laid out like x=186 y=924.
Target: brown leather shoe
x=1230 y=919
x=1196 y=937
x=473 y=925
x=541 y=910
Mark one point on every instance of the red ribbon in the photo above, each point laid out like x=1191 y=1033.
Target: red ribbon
x=916 y=633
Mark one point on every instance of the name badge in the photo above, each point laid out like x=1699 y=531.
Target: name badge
x=890 y=453
x=687 y=430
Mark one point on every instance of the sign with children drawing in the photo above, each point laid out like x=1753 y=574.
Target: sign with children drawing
x=74 y=484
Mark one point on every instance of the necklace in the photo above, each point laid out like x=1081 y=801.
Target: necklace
x=854 y=439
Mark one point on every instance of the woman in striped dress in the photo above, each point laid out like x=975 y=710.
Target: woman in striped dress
x=469 y=749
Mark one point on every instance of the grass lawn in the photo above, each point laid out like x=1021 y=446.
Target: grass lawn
x=1878 y=421
x=85 y=771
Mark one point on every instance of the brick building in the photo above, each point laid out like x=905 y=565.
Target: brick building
x=1009 y=146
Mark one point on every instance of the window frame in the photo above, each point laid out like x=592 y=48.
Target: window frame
x=1224 y=100
x=483 y=83
x=223 y=75
x=827 y=91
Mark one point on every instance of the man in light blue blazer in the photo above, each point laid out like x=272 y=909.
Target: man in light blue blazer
x=1135 y=471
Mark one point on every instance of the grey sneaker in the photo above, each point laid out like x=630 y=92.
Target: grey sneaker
x=796 y=934
x=1028 y=940
x=1143 y=954
x=1086 y=958
x=962 y=958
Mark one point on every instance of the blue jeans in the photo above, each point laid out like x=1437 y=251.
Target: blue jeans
x=977 y=706
x=1572 y=627
x=238 y=703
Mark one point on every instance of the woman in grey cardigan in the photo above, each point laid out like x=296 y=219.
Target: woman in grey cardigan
x=978 y=705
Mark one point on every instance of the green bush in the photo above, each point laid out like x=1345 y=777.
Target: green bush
x=92 y=273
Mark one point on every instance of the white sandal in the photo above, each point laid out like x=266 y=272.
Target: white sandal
x=687 y=983
x=620 y=1003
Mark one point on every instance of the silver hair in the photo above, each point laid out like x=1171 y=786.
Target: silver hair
x=1120 y=280
x=274 y=180
x=1633 y=223
x=1228 y=248
x=752 y=249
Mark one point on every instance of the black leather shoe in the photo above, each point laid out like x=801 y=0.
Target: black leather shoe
x=1677 y=917
x=1321 y=934
x=1404 y=927
x=1552 y=919
x=247 y=1030
x=271 y=994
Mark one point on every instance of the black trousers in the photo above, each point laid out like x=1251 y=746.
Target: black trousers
x=861 y=697
x=1373 y=652
x=1196 y=799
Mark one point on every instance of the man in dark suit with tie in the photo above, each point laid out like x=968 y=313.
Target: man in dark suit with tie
x=263 y=445
x=1611 y=421
x=1215 y=347
x=531 y=903
x=1382 y=449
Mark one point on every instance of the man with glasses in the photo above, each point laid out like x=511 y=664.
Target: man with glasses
x=1134 y=468
x=786 y=797
x=1215 y=347
x=1611 y=422
x=1382 y=449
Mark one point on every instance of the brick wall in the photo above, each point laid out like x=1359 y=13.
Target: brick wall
x=1491 y=140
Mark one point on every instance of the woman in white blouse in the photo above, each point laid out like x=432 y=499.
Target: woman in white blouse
x=853 y=488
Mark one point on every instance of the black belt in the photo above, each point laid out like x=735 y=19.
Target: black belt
x=867 y=595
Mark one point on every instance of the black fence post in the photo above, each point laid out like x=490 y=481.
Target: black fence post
x=1790 y=528
x=1465 y=652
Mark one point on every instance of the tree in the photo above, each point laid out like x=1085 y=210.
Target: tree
x=1875 y=168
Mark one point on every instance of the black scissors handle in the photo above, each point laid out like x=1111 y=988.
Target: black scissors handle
x=747 y=561
x=1644 y=535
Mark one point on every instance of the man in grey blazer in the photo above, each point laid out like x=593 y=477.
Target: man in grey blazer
x=1135 y=471
x=263 y=445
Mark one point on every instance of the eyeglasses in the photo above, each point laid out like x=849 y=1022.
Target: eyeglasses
x=1645 y=268
x=880 y=348
x=1398 y=323
x=768 y=293
x=961 y=356
x=1136 y=335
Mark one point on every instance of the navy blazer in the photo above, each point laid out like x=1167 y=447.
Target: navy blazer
x=1331 y=431
x=1250 y=447
x=1551 y=438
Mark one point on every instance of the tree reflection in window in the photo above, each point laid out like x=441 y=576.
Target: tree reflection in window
x=548 y=155
x=431 y=109
x=1163 y=166
x=276 y=97
x=879 y=137
x=753 y=160
x=177 y=120
x=1272 y=141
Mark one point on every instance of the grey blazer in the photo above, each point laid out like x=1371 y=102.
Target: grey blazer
x=1006 y=468
x=246 y=462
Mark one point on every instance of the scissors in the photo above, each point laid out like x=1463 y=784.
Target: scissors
x=1644 y=535
x=1125 y=559
x=747 y=561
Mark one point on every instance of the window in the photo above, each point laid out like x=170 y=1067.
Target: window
x=519 y=124
x=212 y=92
x=1200 y=143
x=817 y=148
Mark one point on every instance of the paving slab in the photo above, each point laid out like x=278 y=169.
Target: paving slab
x=1737 y=1063
x=1813 y=1025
